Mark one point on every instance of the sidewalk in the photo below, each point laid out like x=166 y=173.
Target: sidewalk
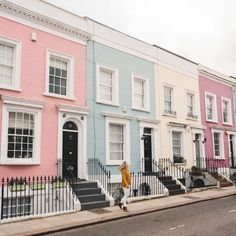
x=78 y=219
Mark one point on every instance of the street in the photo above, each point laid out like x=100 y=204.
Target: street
x=209 y=218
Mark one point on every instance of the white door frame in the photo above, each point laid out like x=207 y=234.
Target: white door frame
x=66 y=113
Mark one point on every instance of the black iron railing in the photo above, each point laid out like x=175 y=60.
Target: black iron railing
x=143 y=184
x=214 y=166
x=154 y=168
x=97 y=171
x=158 y=168
x=172 y=169
x=35 y=196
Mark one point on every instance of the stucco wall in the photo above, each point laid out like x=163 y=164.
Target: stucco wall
x=126 y=65
x=33 y=79
x=220 y=90
x=182 y=83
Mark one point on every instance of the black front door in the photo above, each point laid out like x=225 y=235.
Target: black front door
x=70 y=154
x=232 y=154
x=147 y=149
x=198 y=151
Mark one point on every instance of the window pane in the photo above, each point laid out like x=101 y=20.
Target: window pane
x=63 y=91
x=116 y=136
x=217 y=144
x=225 y=107
x=6 y=64
x=58 y=76
x=105 y=77
x=168 y=97
x=176 y=143
x=20 y=134
x=168 y=93
x=106 y=85
x=16 y=206
x=139 y=93
x=51 y=88
x=210 y=107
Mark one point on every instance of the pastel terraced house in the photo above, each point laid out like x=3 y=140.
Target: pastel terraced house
x=78 y=98
x=218 y=118
x=121 y=98
x=43 y=90
x=182 y=134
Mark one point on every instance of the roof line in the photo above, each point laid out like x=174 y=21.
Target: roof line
x=175 y=54
x=117 y=30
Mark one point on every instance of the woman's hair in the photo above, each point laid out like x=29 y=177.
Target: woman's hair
x=123 y=165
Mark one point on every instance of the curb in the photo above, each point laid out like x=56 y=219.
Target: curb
x=113 y=218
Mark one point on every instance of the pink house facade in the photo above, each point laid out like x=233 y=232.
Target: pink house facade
x=43 y=109
x=216 y=99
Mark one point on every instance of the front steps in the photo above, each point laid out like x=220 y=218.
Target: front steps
x=223 y=181
x=89 y=195
x=171 y=185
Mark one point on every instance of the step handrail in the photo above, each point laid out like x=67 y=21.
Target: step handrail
x=97 y=171
x=172 y=169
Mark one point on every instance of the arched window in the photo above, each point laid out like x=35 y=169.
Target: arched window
x=69 y=125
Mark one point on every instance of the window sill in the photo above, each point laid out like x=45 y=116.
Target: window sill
x=108 y=103
x=191 y=118
x=140 y=109
x=19 y=163
x=114 y=163
x=219 y=158
x=169 y=115
x=228 y=124
x=59 y=96
x=11 y=89
x=180 y=164
x=212 y=121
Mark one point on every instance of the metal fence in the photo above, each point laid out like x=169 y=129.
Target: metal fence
x=214 y=166
x=35 y=196
x=145 y=185
x=172 y=169
x=98 y=172
x=154 y=167
x=142 y=185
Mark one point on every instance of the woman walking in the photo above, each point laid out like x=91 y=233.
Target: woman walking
x=126 y=181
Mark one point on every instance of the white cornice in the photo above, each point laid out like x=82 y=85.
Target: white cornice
x=214 y=75
x=42 y=20
x=113 y=115
x=73 y=109
x=201 y=127
x=146 y=120
x=21 y=102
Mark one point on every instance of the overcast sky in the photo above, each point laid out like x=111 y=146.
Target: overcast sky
x=201 y=30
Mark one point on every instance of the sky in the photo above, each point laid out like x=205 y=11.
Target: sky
x=203 y=31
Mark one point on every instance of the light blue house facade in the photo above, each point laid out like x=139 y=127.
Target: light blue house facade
x=122 y=122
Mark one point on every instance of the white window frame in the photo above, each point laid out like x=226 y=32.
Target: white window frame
x=214 y=113
x=36 y=110
x=126 y=129
x=172 y=101
x=70 y=74
x=222 y=154
x=146 y=99
x=194 y=116
x=182 y=142
x=16 y=74
x=229 y=111
x=115 y=90
x=19 y=209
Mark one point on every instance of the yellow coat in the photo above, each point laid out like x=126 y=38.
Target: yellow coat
x=126 y=180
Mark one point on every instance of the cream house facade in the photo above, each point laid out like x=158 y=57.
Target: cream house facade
x=182 y=135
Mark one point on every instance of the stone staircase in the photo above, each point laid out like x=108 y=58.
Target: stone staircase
x=89 y=195
x=171 y=185
x=223 y=181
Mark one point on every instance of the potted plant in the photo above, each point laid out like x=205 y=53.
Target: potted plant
x=16 y=184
